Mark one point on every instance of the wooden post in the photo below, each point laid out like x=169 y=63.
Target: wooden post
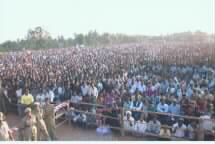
x=122 y=122
x=68 y=117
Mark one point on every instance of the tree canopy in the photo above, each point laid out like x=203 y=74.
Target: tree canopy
x=39 y=38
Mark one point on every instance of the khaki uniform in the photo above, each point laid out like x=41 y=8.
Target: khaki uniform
x=4 y=131
x=42 y=132
x=2 y=101
x=29 y=129
x=49 y=117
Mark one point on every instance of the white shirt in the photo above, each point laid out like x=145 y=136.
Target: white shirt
x=179 y=132
x=19 y=93
x=95 y=92
x=133 y=89
x=162 y=108
x=84 y=90
x=60 y=90
x=76 y=99
x=4 y=131
x=51 y=95
x=207 y=123
x=100 y=86
x=141 y=126
x=127 y=123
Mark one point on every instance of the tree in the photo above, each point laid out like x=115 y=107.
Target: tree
x=79 y=39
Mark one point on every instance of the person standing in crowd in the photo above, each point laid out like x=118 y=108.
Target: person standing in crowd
x=42 y=132
x=28 y=126
x=26 y=100
x=5 y=132
x=49 y=118
x=3 y=107
x=19 y=95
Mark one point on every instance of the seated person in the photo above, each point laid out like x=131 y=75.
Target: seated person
x=129 y=121
x=80 y=119
x=179 y=128
x=136 y=105
x=191 y=130
x=141 y=125
x=91 y=119
x=165 y=131
x=154 y=125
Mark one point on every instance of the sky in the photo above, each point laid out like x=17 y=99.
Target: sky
x=66 y=17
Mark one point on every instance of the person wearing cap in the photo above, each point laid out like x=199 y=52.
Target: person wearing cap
x=128 y=121
x=179 y=128
x=28 y=126
x=5 y=132
x=42 y=132
x=49 y=118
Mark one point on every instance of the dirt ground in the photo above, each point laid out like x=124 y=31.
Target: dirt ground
x=71 y=133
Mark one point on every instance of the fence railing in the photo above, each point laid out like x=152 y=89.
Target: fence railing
x=121 y=120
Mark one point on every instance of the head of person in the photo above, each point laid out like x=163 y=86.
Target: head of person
x=162 y=101
x=154 y=119
x=1 y=117
x=180 y=121
x=47 y=100
x=26 y=92
x=28 y=112
x=174 y=101
x=37 y=106
x=128 y=114
x=142 y=118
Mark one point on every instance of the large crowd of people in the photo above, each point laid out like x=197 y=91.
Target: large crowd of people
x=134 y=77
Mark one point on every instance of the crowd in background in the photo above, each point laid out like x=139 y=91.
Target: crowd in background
x=128 y=76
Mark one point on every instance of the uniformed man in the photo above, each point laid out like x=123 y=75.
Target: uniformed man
x=28 y=126
x=5 y=132
x=49 y=117
x=2 y=100
x=42 y=132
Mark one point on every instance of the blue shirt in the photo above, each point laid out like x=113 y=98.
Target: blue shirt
x=175 y=109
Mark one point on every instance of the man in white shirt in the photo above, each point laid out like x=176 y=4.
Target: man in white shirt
x=162 y=106
x=154 y=126
x=179 y=128
x=141 y=125
x=100 y=86
x=129 y=121
x=133 y=88
x=51 y=95
x=84 y=89
x=75 y=98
